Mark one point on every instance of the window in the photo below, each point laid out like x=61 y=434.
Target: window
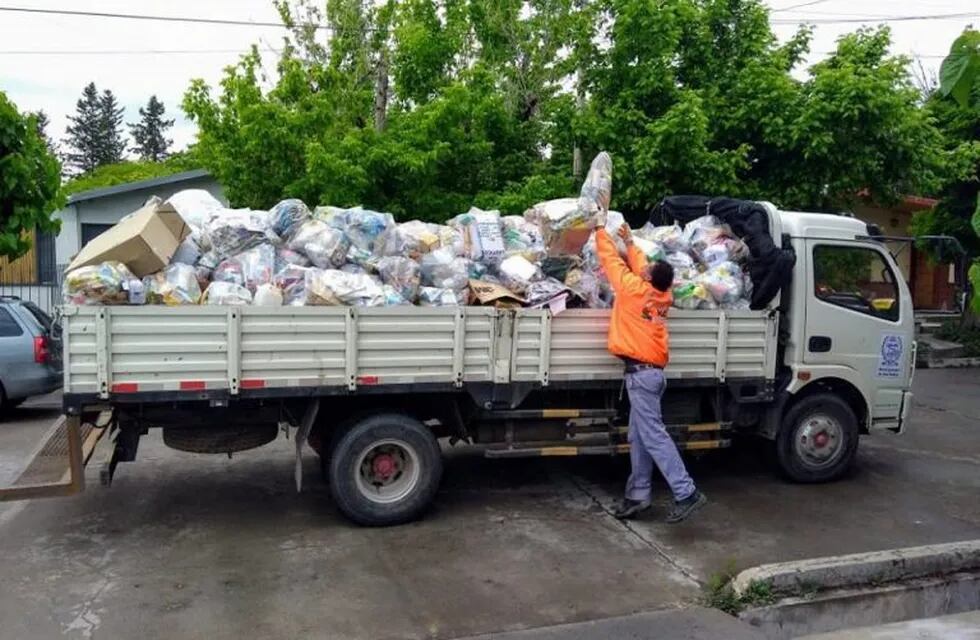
x=43 y=320
x=855 y=278
x=8 y=326
x=91 y=230
x=47 y=271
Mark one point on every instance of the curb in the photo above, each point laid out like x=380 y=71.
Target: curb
x=949 y=363
x=860 y=569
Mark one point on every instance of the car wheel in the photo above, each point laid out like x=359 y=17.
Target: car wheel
x=818 y=440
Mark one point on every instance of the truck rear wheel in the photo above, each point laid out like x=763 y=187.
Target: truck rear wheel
x=385 y=470
x=818 y=439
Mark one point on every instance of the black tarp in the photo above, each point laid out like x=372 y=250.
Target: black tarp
x=770 y=266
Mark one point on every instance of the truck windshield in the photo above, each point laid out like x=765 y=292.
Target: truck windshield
x=855 y=278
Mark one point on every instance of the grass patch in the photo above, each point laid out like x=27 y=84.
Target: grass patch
x=718 y=592
x=969 y=337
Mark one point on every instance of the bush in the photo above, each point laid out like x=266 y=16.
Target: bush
x=968 y=336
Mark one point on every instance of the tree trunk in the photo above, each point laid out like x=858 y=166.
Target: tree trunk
x=381 y=94
x=577 y=168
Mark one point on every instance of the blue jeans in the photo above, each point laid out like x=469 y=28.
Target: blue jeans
x=650 y=444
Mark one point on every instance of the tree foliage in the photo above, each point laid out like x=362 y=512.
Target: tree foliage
x=94 y=135
x=424 y=107
x=149 y=133
x=30 y=177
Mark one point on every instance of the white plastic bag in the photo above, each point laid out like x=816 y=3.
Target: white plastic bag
x=522 y=238
x=187 y=253
x=565 y=228
x=366 y=229
x=670 y=237
x=195 y=206
x=232 y=231
x=596 y=191
x=443 y=270
x=412 y=239
x=268 y=295
x=226 y=293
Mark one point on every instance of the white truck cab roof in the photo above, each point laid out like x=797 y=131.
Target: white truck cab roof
x=821 y=225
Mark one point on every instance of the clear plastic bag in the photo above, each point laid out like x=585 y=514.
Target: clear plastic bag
x=268 y=295
x=176 y=285
x=354 y=268
x=226 y=293
x=334 y=216
x=451 y=239
x=541 y=291
x=725 y=283
x=649 y=248
x=517 y=273
x=258 y=265
x=287 y=216
x=522 y=238
x=440 y=297
x=596 y=191
x=195 y=206
x=393 y=298
x=403 y=274
x=703 y=232
x=187 y=253
x=670 y=237
x=443 y=270
x=684 y=266
x=482 y=234
x=367 y=229
x=690 y=294
x=232 y=231
x=291 y=279
x=363 y=258
x=565 y=228
x=105 y=283
x=286 y=256
x=335 y=287
x=412 y=239
x=588 y=287
x=325 y=246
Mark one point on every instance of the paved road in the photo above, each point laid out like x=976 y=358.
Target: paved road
x=185 y=546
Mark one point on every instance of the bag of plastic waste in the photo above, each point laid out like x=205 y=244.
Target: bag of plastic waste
x=649 y=248
x=258 y=265
x=724 y=282
x=596 y=191
x=522 y=238
x=287 y=216
x=366 y=229
x=565 y=228
x=690 y=294
x=286 y=256
x=335 y=287
x=105 y=283
x=325 y=246
x=587 y=286
x=412 y=239
x=291 y=279
x=670 y=237
x=544 y=290
x=443 y=270
x=175 y=285
x=232 y=231
x=441 y=297
x=517 y=273
x=482 y=234
x=187 y=253
x=268 y=295
x=226 y=293
x=403 y=274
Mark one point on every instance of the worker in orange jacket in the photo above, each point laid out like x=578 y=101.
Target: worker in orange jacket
x=638 y=335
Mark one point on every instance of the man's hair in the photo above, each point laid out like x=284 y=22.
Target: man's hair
x=661 y=275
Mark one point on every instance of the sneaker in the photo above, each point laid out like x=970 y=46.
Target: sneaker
x=629 y=509
x=682 y=509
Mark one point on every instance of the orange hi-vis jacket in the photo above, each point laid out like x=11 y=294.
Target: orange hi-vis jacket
x=638 y=327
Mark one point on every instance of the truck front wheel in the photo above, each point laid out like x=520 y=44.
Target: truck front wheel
x=818 y=439
x=385 y=470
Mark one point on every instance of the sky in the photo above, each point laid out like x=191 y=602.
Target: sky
x=150 y=57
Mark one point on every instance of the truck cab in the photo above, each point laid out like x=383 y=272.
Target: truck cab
x=848 y=344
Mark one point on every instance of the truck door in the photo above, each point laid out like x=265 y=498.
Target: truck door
x=859 y=316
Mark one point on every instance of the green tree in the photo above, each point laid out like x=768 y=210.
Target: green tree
x=112 y=144
x=42 y=130
x=149 y=133
x=30 y=177
x=94 y=135
x=84 y=132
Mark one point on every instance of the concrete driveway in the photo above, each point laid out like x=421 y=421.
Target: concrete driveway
x=184 y=546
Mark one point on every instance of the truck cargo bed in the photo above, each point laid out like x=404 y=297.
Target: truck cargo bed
x=125 y=352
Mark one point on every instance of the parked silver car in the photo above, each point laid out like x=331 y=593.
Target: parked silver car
x=30 y=352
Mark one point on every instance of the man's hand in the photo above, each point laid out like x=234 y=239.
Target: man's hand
x=625 y=234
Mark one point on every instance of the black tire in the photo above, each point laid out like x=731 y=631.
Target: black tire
x=803 y=454
x=229 y=439
x=414 y=480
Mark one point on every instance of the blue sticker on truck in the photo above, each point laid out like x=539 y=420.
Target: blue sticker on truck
x=890 y=357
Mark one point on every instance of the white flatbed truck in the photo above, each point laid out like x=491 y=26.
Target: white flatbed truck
x=371 y=390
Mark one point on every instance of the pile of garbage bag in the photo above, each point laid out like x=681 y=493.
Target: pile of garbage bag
x=294 y=256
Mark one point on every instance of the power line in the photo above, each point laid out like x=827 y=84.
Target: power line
x=935 y=16
x=109 y=52
x=140 y=16
x=797 y=6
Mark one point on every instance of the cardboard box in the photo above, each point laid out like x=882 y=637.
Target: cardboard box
x=493 y=294
x=144 y=241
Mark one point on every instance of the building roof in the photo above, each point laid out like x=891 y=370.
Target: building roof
x=149 y=183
